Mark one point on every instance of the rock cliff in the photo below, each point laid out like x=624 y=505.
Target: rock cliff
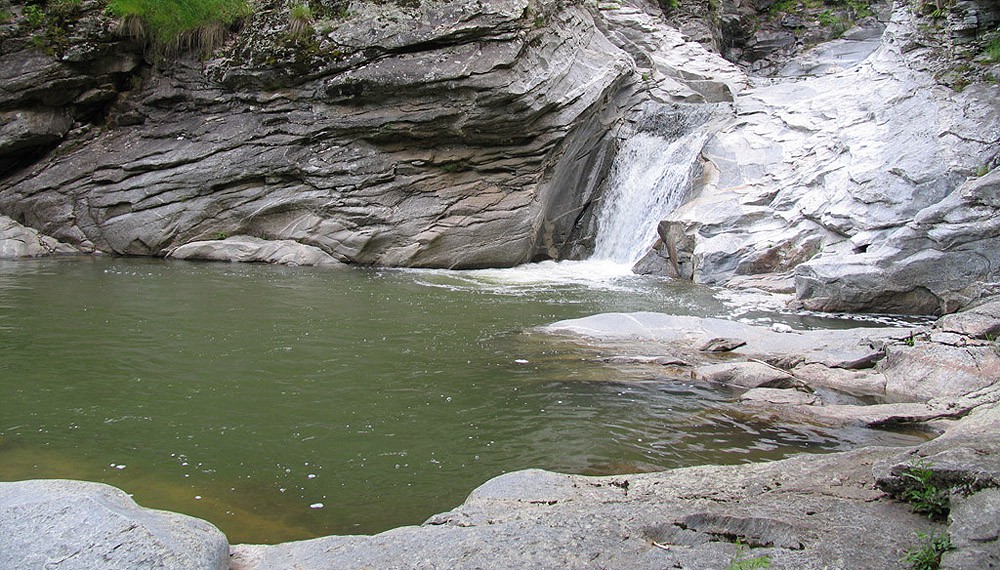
x=457 y=134
x=469 y=134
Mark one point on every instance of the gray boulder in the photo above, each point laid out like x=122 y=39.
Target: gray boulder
x=76 y=525
x=18 y=241
x=945 y=258
x=974 y=530
x=928 y=369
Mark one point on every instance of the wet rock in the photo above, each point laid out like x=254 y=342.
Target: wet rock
x=681 y=334
x=658 y=360
x=76 y=525
x=255 y=250
x=746 y=375
x=780 y=397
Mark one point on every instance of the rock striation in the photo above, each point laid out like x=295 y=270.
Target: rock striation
x=865 y=182
x=443 y=134
x=248 y=249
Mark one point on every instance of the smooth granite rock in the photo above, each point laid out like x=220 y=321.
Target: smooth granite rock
x=255 y=250
x=77 y=525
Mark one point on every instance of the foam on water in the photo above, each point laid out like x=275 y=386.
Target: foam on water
x=532 y=277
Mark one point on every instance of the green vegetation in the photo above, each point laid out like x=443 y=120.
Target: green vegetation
x=177 y=25
x=992 y=50
x=792 y=6
x=741 y=562
x=922 y=494
x=34 y=16
x=48 y=22
x=927 y=556
x=300 y=20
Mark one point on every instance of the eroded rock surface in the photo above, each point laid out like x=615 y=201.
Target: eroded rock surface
x=823 y=177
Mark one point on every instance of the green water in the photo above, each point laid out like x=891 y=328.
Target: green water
x=284 y=403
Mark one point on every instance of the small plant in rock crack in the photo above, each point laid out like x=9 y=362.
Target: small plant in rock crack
x=927 y=556
x=741 y=562
x=922 y=494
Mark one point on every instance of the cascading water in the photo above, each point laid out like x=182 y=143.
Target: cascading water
x=648 y=180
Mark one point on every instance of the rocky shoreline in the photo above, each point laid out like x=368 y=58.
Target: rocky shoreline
x=841 y=510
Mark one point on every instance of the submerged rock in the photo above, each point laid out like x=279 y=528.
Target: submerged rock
x=73 y=525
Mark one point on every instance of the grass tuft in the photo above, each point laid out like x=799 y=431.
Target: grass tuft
x=179 y=25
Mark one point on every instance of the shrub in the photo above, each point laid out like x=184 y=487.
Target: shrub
x=927 y=556
x=177 y=25
x=922 y=494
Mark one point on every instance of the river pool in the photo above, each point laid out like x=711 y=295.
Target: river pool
x=285 y=403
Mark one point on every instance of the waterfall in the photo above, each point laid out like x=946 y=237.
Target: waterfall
x=648 y=180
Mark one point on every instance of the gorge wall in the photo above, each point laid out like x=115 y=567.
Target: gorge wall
x=468 y=134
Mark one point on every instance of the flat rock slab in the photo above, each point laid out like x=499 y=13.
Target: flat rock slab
x=837 y=348
x=745 y=375
x=684 y=518
x=77 y=525
x=249 y=249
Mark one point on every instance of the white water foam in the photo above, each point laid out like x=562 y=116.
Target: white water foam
x=531 y=277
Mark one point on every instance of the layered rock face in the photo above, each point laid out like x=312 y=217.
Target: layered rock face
x=458 y=134
x=862 y=181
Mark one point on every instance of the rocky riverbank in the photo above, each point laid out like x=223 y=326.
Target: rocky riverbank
x=842 y=510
